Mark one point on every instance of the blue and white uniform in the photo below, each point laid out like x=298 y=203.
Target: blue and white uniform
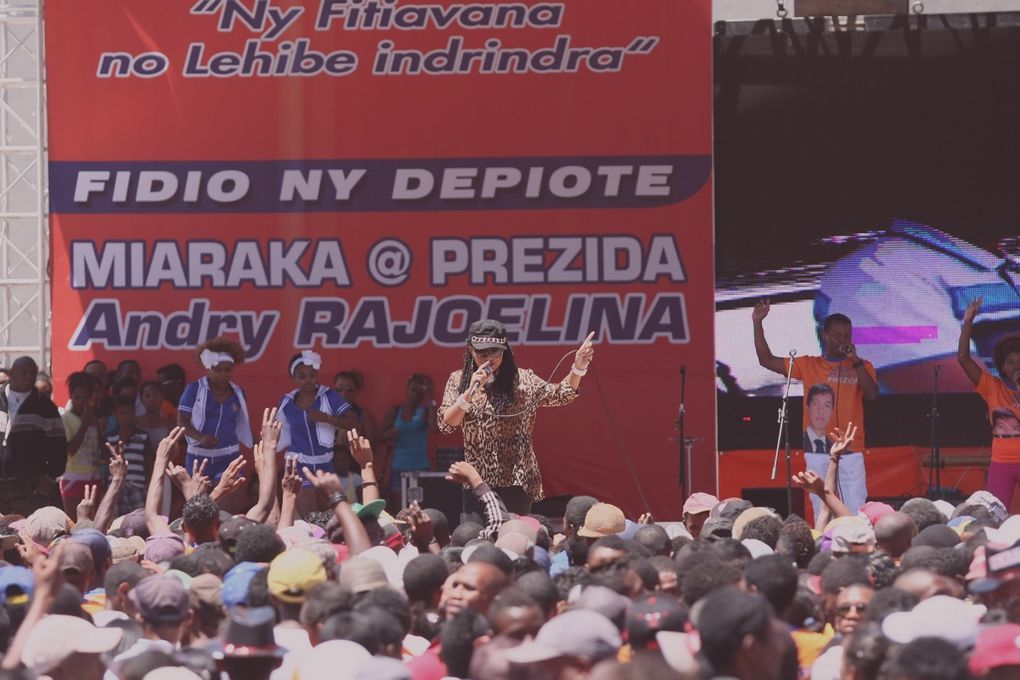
x=313 y=442
x=227 y=421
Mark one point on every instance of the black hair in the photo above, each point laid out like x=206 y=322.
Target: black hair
x=704 y=577
x=678 y=542
x=975 y=510
x=356 y=377
x=883 y=569
x=129 y=572
x=387 y=628
x=540 y=587
x=81 y=380
x=819 y=562
x=458 y=641
x=467 y=531
x=655 y=539
x=258 y=543
x=210 y=558
x=727 y=617
x=509 y=598
x=524 y=565
x=222 y=345
x=503 y=388
x=324 y=600
x=923 y=512
x=576 y=548
x=928 y=658
x=944 y=561
x=1003 y=348
x=424 y=577
x=843 y=572
x=200 y=513
x=775 y=578
x=819 y=388
x=388 y=599
x=647 y=572
x=172 y=372
x=353 y=626
x=765 y=529
x=150 y=383
x=835 y=318
x=543 y=538
x=492 y=555
x=731 y=551
x=576 y=510
x=568 y=578
x=440 y=525
x=127 y=362
x=889 y=600
x=865 y=650
x=258 y=589
x=796 y=543
x=610 y=542
x=937 y=536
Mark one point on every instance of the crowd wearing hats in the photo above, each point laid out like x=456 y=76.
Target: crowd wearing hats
x=928 y=591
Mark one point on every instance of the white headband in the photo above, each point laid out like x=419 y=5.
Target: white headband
x=210 y=359
x=308 y=358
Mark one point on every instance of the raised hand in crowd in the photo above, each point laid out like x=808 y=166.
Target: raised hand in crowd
x=329 y=487
x=271 y=429
x=810 y=482
x=463 y=472
x=232 y=479
x=48 y=582
x=291 y=485
x=264 y=453
x=118 y=467
x=646 y=518
x=841 y=440
x=87 y=505
x=190 y=485
x=154 y=497
x=421 y=529
x=361 y=450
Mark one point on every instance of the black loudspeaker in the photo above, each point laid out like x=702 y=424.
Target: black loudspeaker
x=775 y=498
x=440 y=494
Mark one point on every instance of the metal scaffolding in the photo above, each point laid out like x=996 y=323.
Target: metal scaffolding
x=24 y=228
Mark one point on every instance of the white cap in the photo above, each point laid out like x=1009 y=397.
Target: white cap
x=172 y=673
x=332 y=660
x=757 y=548
x=1007 y=534
x=56 y=637
x=946 y=508
x=939 y=616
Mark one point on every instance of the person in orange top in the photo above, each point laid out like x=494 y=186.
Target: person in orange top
x=838 y=382
x=1002 y=396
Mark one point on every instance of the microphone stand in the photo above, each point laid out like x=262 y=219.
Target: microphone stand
x=784 y=435
x=935 y=471
x=685 y=451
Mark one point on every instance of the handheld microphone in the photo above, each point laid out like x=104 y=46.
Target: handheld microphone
x=487 y=368
x=845 y=349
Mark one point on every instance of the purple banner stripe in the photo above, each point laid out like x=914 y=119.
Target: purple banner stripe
x=894 y=335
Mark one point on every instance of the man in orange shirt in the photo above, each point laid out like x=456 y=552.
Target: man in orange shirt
x=838 y=383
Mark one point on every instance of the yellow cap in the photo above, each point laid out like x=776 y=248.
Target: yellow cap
x=293 y=573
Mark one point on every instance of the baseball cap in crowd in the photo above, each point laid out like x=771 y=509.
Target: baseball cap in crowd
x=578 y=633
x=332 y=660
x=56 y=637
x=16 y=585
x=369 y=509
x=293 y=573
x=851 y=533
x=605 y=601
x=988 y=501
x=160 y=599
x=520 y=526
x=172 y=673
x=205 y=590
x=250 y=634
x=230 y=530
x=1007 y=534
x=132 y=524
x=757 y=548
x=996 y=646
x=516 y=543
x=717 y=527
x=730 y=508
x=603 y=519
x=360 y=574
x=47 y=523
x=946 y=508
x=993 y=566
x=875 y=510
x=236 y=581
x=940 y=616
x=164 y=547
x=96 y=542
x=699 y=502
x=126 y=548
x=748 y=516
x=486 y=334
x=651 y=615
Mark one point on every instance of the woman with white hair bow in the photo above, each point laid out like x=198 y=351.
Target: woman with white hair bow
x=213 y=411
x=311 y=416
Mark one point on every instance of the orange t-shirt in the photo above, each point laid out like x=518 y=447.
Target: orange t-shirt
x=1004 y=415
x=839 y=395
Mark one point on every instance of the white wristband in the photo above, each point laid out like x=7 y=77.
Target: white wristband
x=463 y=403
x=579 y=371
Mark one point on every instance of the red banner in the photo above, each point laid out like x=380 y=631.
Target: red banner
x=367 y=177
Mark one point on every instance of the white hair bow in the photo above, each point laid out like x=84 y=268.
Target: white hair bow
x=308 y=358
x=210 y=358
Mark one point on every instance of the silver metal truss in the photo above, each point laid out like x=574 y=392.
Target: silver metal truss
x=24 y=228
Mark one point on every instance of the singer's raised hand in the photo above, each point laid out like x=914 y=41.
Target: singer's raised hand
x=482 y=375
x=585 y=353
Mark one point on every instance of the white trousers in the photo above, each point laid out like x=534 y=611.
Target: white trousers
x=852 y=481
